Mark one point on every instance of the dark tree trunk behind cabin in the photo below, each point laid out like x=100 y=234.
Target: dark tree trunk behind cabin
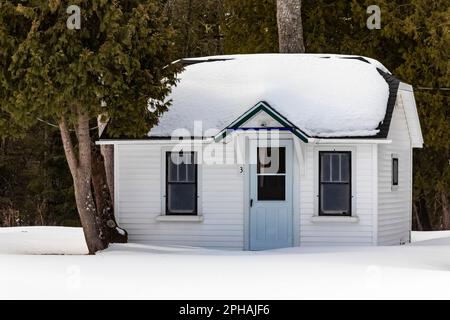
x=103 y=185
x=290 y=28
x=104 y=203
x=187 y=48
x=422 y=219
x=107 y=152
x=416 y=223
x=445 y=203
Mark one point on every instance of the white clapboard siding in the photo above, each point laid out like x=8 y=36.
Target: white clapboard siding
x=394 y=204
x=139 y=175
x=140 y=193
x=338 y=233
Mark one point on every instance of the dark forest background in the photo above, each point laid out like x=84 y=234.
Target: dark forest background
x=414 y=43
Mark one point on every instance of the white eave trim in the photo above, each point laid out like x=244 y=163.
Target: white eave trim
x=155 y=141
x=348 y=141
x=209 y=140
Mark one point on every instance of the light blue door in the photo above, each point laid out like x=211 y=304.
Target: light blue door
x=271 y=194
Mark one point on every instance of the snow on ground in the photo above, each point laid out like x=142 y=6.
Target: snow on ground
x=42 y=240
x=132 y=271
x=323 y=95
x=431 y=237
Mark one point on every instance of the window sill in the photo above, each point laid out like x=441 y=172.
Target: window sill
x=334 y=219
x=165 y=218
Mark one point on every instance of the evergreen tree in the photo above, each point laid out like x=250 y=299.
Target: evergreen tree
x=197 y=24
x=112 y=65
x=35 y=188
x=250 y=26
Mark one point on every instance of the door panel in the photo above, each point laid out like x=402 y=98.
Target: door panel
x=271 y=195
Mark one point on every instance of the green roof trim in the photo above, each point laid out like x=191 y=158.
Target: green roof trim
x=300 y=135
x=262 y=106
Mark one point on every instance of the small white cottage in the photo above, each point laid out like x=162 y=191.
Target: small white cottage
x=271 y=151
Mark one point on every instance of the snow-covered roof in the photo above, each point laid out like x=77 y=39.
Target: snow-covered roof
x=322 y=95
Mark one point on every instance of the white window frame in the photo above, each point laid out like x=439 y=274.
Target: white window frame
x=395 y=156
x=181 y=218
x=354 y=214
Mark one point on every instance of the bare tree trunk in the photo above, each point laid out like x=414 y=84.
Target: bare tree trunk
x=445 y=211
x=80 y=168
x=290 y=28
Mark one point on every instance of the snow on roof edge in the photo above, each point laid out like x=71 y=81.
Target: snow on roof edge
x=215 y=58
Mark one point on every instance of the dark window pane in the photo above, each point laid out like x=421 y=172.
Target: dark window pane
x=335 y=198
x=335 y=186
x=395 y=172
x=181 y=189
x=281 y=160
x=191 y=172
x=271 y=188
x=336 y=167
x=263 y=159
x=182 y=174
x=189 y=167
x=172 y=167
x=272 y=160
x=326 y=169
x=345 y=167
x=182 y=198
x=181 y=167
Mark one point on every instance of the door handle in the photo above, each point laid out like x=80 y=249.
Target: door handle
x=251 y=203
